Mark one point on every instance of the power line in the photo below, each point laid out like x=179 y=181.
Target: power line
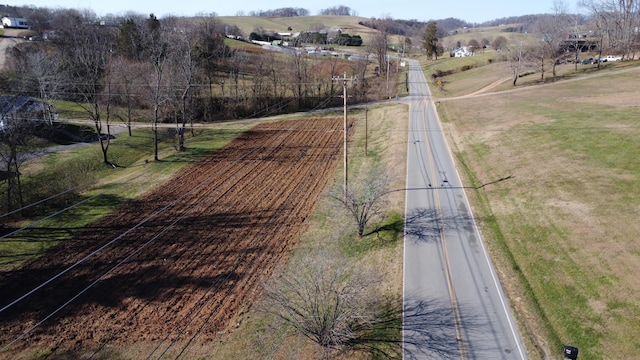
x=155 y=214
x=138 y=250
x=47 y=199
x=64 y=210
x=200 y=306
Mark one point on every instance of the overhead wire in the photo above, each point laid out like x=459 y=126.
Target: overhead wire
x=197 y=308
x=30 y=225
x=205 y=323
x=94 y=252
x=155 y=214
x=48 y=198
x=77 y=263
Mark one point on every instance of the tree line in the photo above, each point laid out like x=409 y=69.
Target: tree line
x=170 y=70
x=339 y=10
x=609 y=27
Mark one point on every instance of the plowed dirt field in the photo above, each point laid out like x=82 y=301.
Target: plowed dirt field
x=172 y=269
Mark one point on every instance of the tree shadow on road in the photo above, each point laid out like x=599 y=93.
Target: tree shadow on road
x=412 y=330
x=430 y=329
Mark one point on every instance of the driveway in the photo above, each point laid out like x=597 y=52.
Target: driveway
x=8 y=39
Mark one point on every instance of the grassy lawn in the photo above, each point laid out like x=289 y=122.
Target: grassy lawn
x=562 y=231
x=469 y=74
x=100 y=188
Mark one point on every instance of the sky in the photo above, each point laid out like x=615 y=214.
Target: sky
x=472 y=11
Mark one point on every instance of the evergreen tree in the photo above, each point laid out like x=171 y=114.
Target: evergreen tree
x=431 y=39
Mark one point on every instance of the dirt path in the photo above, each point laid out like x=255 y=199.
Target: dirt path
x=174 y=273
x=7 y=40
x=489 y=87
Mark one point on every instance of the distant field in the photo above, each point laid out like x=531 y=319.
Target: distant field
x=489 y=33
x=563 y=230
x=348 y=24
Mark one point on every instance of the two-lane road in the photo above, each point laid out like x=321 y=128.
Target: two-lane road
x=450 y=285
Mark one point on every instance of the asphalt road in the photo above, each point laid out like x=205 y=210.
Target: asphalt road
x=453 y=301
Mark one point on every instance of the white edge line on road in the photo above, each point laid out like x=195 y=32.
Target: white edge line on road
x=496 y=283
x=404 y=230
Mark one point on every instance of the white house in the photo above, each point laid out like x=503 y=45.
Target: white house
x=462 y=52
x=18 y=23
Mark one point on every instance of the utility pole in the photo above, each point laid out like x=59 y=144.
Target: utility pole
x=388 y=96
x=366 y=130
x=345 y=128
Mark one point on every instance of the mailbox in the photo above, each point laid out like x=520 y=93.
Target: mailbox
x=571 y=352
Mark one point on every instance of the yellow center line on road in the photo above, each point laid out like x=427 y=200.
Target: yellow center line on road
x=462 y=347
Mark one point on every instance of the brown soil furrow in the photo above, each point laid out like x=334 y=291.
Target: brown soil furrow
x=200 y=272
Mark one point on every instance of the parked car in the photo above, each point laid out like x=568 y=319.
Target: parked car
x=613 y=58
x=587 y=61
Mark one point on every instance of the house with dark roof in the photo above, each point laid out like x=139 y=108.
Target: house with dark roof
x=21 y=110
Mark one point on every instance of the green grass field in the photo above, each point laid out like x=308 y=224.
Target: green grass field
x=101 y=188
x=563 y=230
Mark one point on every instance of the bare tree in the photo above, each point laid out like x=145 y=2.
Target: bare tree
x=553 y=29
x=38 y=73
x=600 y=18
x=276 y=79
x=182 y=55
x=364 y=200
x=485 y=43
x=515 y=58
x=380 y=43
x=157 y=56
x=88 y=54
x=21 y=119
x=473 y=45
x=298 y=65
x=212 y=52
x=127 y=76
x=499 y=43
x=362 y=87
x=343 y=312
x=617 y=22
x=326 y=302
x=337 y=10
